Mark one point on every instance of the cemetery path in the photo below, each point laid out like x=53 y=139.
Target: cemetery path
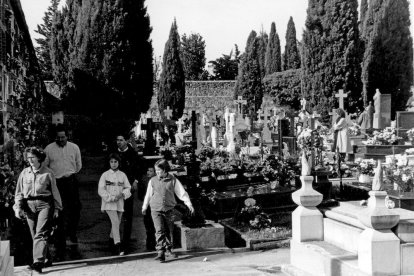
x=94 y=226
x=212 y=262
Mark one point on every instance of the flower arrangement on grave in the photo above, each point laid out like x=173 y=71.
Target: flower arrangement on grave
x=365 y=166
x=354 y=130
x=252 y=215
x=206 y=152
x=304 y=140
x=410 y=134
x=401 y=174
x=387 y=136
x=279 y=172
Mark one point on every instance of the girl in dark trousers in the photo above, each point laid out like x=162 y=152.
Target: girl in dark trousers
x=160 y=196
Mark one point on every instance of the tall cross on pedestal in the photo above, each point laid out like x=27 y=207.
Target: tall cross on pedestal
x=341 y=95
x=168 y=113
x=240 y=102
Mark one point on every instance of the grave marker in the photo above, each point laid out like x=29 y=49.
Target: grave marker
x=341 y=95
x=382 y=115
x=240 y=102
x=168 y=113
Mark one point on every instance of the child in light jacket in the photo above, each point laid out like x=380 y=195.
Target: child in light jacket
x=113 y=188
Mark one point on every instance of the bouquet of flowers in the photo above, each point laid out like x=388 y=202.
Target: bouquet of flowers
x=354 y=130
x=402 y=175
x=305 y=139
x=387 y=136
x=410 y=134
x=365 y=166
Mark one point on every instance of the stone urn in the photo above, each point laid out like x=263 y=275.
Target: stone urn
x=377 y=216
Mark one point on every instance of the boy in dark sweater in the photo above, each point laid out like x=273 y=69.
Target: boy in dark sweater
x=160 y=197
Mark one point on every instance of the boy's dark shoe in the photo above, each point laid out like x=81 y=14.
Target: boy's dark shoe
x=160 y=256
x=48 y=263
x=118 y=249
x=36 y=267
x=171 y=254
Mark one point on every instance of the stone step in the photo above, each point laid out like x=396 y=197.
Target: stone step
x=5 y=260
x=294 y=271
x=320 y=258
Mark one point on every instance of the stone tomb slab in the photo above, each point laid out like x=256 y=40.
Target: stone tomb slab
x=209 y=236
x=405 y=121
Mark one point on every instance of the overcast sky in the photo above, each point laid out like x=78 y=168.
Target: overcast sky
x=222 y=23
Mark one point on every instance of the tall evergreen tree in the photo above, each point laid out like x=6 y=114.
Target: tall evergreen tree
x=193 y=55
x=291 y=57
x=43 y=50
x=102 y=53
x=249 y=79
x=363 y=12
x=388 y=56
x=330 y=55
x=262 y=42
x=273 y=61
x=172 y=81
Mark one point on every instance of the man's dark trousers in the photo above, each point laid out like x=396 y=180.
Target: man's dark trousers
x=68 y=221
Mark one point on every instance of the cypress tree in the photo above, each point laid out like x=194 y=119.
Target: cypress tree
x=43 y=50
x=363 y=12
x=102 y=53
x=273 y=62
x=330 y=55
x=249 y=80
x=262 y=42
x=388 y=56
x=172 y=80
x=291 y=57
x=193 y=55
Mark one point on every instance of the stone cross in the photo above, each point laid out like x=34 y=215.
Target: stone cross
x=240 y=102
x=341 y=95
x=180 y=124
x=303 y=103
x=168 y=113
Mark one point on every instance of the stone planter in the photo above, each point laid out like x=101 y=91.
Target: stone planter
x=236 y=238
x=209 y=236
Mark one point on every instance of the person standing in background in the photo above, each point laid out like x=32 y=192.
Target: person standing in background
x=130 y=164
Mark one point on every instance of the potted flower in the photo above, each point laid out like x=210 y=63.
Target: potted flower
x=365 y=169
x=410 y=135
x=387 y=136
x=400 y=174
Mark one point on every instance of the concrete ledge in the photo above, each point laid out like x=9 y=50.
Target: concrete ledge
x=407 y=264
x=341 y=234
x=322 y=258
x=294 y=271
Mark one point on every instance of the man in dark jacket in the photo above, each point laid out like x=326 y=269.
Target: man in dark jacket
x=131 y=166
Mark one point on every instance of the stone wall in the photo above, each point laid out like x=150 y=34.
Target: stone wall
x=202 y=94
